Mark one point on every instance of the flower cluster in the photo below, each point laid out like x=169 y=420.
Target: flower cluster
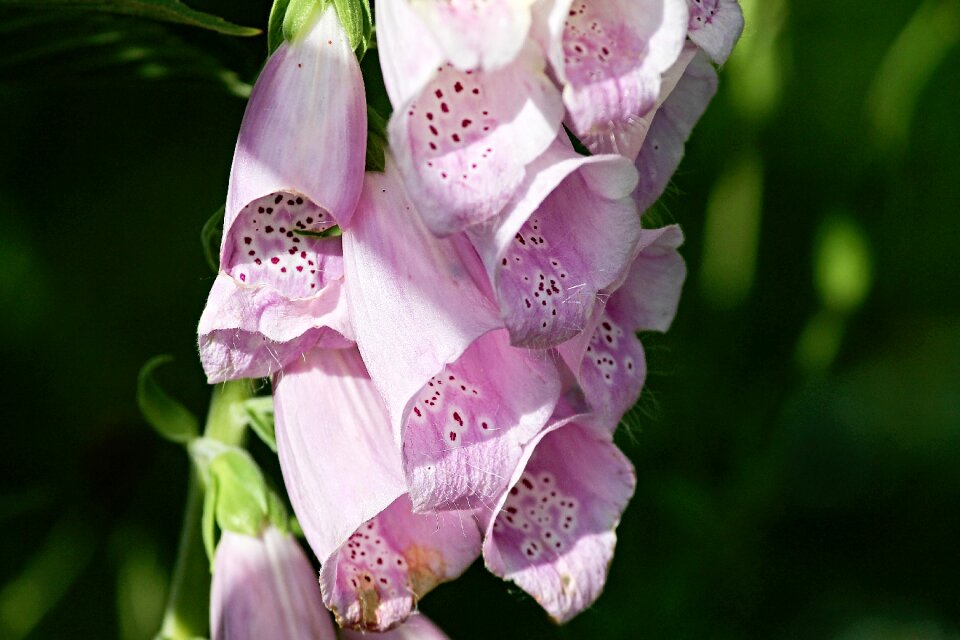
x=452 y=340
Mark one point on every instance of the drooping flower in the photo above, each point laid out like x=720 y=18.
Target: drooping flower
x=715 y=26
x=571 y=231
x=462 y=401
x=297 y=171
x=553 y=532
x=664 y=144
x=264 y=587
x=609 y=56
x=608 y=361
x=342 y=470
x=462 y=138
x=417 y=627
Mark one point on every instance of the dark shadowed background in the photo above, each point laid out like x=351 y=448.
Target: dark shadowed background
x=798 y=445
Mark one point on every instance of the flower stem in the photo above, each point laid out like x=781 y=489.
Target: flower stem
x=187 y=611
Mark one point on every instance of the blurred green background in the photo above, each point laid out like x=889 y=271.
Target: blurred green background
x=797 y=448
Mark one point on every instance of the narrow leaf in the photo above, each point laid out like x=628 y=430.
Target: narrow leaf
x=260 y=413
x=275 y=25
x=165 y=10
x=170 y=418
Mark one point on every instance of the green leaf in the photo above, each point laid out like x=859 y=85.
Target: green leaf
x=210 y=237
x=164 y=10
x=275 y=25
x=241 y=492
x=299 y=14
x=170 y=418
x=278 y=512
x=350 y=13
x=260 y=412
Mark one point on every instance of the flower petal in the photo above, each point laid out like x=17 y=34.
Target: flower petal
x=417 y=627
x=547 y=278
x=715 y=25
x=463 y=142
x=671 y=127
x=610 y=55
x=469 y=422
x=627 y=140
x=305 y=127
x=340 y=462
x=611 y=366
x=553 y=534
x=477 y=35
x=278 y=293
x=374 y=580
x=414 y=299
x=264 y=587
x=409 y=56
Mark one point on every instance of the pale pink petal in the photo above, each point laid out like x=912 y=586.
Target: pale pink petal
x=477 y=35
x=463 y=142
x=611 y=366
x=305 y=127
x=627 y=140
x=409 y=55
x=553 y=534
x=610 y=55
x=278 y=294
x=374 y=580
x=671 y=127
x=340 y=462
x=715 y=25
x=264 y=587
x=417 y=627
x=415 y=300
x=469 y=422
x=571 y=232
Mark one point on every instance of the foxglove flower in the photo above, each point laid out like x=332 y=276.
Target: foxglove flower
x=664 y=144
x=297 y=171
x=417 y=627
x=715 y=26
x=342 y=471
x=609 y=56
x=553 y=532
x=609 y=361
x=461 y=400
x=264 y=587
x=462 y=138
x=571 y=231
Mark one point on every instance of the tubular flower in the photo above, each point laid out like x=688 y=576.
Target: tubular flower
x=553 y=533
x=609 y=56
x=462 y=138
x=546 y=278
x=608 y=361
x=344 y=477
x=264 y=587
x=297 y=172
x=462 y=401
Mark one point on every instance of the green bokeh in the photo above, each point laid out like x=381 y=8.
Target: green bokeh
x=797 y=448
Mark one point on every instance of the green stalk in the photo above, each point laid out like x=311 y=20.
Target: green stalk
x=188 y=604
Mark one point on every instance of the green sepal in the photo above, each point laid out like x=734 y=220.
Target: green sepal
x=299 y=14
x=295 y=527
x=163 y=10
x=376 y=141
x=329 y=232
x=275 y=25
x=210 y=237
x=277 y=512
x=241 y=501
x=260 y=413
x=168 y=417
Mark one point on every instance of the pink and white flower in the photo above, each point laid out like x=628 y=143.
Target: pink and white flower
x=715 y=26
x=297 y=172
